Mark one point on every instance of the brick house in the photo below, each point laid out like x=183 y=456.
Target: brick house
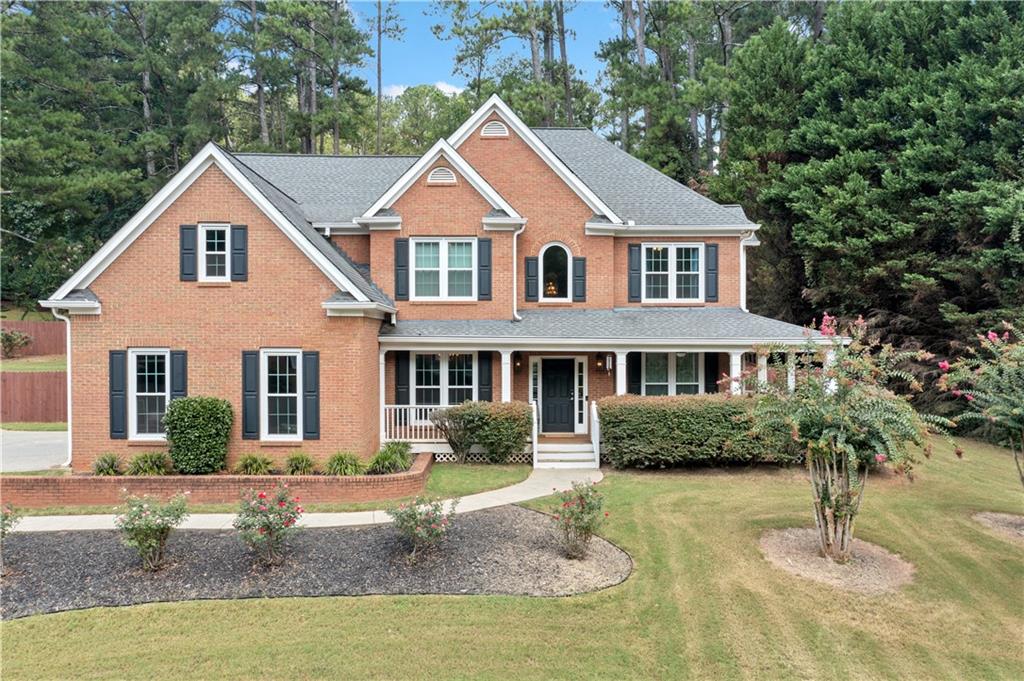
x=338 y=301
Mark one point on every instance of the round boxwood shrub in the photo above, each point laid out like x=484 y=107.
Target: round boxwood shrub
x=198 y=429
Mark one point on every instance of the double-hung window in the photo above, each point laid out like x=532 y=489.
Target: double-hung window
x=672 y=373
x=444 y=269
x=214 y=246
x=150 y=392
x=446 y=378
x=672 y=273
x=280 y=394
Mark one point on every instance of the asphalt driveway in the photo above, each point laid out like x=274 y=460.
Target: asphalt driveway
x=31 y=450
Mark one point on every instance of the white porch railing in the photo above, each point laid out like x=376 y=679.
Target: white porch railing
x=410 y=423
x=534 y=430
x=595 y=430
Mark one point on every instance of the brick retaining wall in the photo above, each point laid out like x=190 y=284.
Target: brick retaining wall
x=88 y=490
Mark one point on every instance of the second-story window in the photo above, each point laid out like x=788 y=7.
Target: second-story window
x=672 y=273
x=554 y=272
x=213 y=252
x=444 y=269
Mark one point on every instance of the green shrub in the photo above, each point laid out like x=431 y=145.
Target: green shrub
x=659 y=432
x=344 y=463
x=145 y=525
x=393 y=457
x=579 y=516
x=265 y=520
x=300 y=463
x=460 y=426
x=150 y=463
x=107 y=464
x=198 y=429
x=12 y=341
x=505 y=430
x=254 y=464
x=8 y=519
x=423 y=523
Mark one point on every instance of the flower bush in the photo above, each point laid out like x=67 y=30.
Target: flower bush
x=150 y=463
x=990 y=380
x=107 y=464
x=423 y=523
x=265 y=520
x=393 y=457
x=344 y=463
x=579 y=514
x=8 y=519
x=146 y=523
x=198 y=429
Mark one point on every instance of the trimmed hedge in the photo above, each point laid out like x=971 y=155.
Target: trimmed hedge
x=659 y=432
x=198 y=429
x=501 y=428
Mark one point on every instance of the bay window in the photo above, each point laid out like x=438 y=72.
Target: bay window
x=672 y=273
x=444 y=269
x=672 y=373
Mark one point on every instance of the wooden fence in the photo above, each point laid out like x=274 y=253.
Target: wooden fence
x=39 y=396
x=47 y=337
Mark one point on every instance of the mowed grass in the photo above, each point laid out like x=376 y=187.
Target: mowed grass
x=33 y=426
x=35 y=363
x=701 y=603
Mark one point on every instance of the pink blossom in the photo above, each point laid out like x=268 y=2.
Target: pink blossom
x=263 y=508
x=880 y=458
x=969 y=398
x=944 y=365
x=1006 y=335
x=956 y=393
x=828 y=325
x=993 y=336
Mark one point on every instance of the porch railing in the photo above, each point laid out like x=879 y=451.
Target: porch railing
x=595 y=430
x=410 y=423
x=535 y=429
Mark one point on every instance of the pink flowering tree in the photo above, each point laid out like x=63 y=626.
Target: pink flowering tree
x=990 y=381
x=846 y=419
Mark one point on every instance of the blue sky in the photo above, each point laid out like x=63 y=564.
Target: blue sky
x=418 y=57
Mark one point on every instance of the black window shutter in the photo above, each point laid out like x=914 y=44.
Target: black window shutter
x=485 y=389
x=635 y=274
x=189 y=261
x=579 y=280
x=118 y=394
x=711 y=372
x=401 y=269
x=250 y=395
x=311 y=396
x=179 y=374
x=711 y=273
x=633 y=386
x=239 y=253
x=402 y=377
x=483 y=271
x=532 y=290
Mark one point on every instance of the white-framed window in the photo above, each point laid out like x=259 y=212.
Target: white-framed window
x=443 y=269
x=214 y=251
x=280 y=394
x=443 y=378
x=673 y=273
x=555 y=261
x=149 y=386
x=441 y=175
x=672 y=373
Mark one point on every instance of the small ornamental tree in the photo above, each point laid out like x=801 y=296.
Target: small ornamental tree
x=265 y=520
x=845 y=419
x=991 y=382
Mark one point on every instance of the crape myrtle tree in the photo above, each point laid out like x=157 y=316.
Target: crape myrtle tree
x=846 y=418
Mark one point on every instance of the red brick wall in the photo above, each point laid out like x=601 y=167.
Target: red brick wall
x=145 y=305
x=728 y=270
x=356 y=246
x=86 y=490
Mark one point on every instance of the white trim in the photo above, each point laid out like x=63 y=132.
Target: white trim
x=494 y=129
x=201 y=253
x=442 y=175
x=356 y=309
x=567 y=298
x=589 y=344
x=380 y=223
x=536 y=364
x=67 y=382
x=265 y=395
x=498 y=224
x=672 y=273
x=131 y=378
x=443 y=386
x=209 y=155
x=748 y=240
x=442 y=269
x=441 y=149
x=76 y=307
x=495 y=105
x=671 y=367
x=606 y=229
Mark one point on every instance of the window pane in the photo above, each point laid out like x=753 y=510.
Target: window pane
x=688 y=259
x=428 y=254
x=460 y=283
x=459 y=395
x=687 y=286
x=657 y=389
x=282 y=415
x=282 y=374
x=460 y=254
x=428 y=396
x=688 y=389
x=686 y=367
x=150 y=374
x=428 y=283
x=460 y=370
x=428 y=371
x=216 y=241
x=657 y=286
x=149 y=414
x=657 y=259
x=657 y=367
x=556 y=273
x=215 y=264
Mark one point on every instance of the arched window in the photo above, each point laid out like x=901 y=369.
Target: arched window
x=554 y=272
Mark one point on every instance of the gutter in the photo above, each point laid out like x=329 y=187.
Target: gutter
x=515 y=274
x=67 y=373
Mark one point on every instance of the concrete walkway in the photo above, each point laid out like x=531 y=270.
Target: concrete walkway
x=541 y=483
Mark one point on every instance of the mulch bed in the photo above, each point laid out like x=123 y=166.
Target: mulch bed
x=1007 y=524
x=505 y=550
x=872 y=570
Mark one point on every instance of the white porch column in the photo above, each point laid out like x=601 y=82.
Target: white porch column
x=506 y=375
x=762 y=368
x=381 y=389
x=791 y=370
x=735 y=371
x=620 y=373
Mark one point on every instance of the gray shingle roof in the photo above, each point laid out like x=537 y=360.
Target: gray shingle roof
x=634 y=324
x=630 y=187
x=330 y=188
x=83 y=294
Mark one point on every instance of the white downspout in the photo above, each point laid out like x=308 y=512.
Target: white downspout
x=515 y=274
x=749 y=239
x=67 y=373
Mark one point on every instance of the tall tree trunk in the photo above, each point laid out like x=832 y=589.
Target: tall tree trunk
x=564 y=58
x=691 y=71
x=538 y=69
x=725 y=22
x=147 y=88
x=257 y=69
x=380 y=41
x=638 y=22
x=709 y=139
x=312 y=89
x=624 y=125
x=818 y=20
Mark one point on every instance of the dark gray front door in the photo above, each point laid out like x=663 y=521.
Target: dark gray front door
x=557 y=400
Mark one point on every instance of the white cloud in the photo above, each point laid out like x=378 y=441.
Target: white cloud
x=448 y=88
x=394 y=90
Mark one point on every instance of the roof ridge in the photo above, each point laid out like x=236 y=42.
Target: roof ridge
x=328 y=156
x=262 y=177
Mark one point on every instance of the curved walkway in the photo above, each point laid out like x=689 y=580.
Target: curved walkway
x=540 y=483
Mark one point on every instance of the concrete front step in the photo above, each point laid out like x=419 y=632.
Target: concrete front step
x=582 y=465
x=565 y=447
x=565 y=456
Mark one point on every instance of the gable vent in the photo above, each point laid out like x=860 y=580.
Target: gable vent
x=494 y=129
x=441 y=175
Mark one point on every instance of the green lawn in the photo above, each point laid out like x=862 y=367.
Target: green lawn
x=702 y=602
x=35 y=363
x=16 y=313
x=32 y=425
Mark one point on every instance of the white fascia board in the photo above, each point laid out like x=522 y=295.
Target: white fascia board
x=329 y=228
x=209 y=155
x=380 y=222
x=354 y=309
x=503 y=224
x=440 y=148
x=605 y=229
x=495 y=104
x=73 y=306
x=589 y=344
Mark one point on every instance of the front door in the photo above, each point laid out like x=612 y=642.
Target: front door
x=557 y=399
